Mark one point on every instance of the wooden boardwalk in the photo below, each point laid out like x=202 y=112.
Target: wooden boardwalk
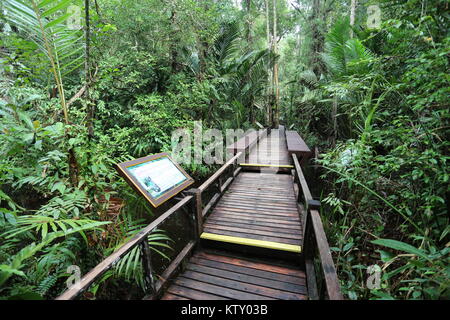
x=272 y=150
x=259 y=209
x=215 y=276
x=259 y=206
x=256 y=232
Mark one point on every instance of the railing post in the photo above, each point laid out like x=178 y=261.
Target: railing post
x=147 y=263
x=197 y=211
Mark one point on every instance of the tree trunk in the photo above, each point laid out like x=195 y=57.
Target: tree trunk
x=173 y=46
x=269 y=87
x=352 y=16
x=276 y=118
x=317 y=39
x=87 y=71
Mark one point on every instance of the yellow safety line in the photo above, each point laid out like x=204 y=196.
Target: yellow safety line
x=252 y=242
x=267 y=165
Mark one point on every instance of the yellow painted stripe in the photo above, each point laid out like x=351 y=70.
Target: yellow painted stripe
x=267 y=165
x=252 y=242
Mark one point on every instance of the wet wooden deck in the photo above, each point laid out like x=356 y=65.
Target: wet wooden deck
x=247 y=233
x=272 y=150
x=259 y=210
x=215 y=276
x=259 y=206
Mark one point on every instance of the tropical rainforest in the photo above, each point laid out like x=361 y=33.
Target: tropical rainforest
x=86 y=84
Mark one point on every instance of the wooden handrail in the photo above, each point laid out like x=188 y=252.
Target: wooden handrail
x=300 y=178
x=314 y=239
x=218 y=173
x=229 y=169
x=333 y=288
x=246 y=143
x=106 y=264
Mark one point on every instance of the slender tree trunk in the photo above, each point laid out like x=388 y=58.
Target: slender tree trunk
x=334 y=119
x=87 y=71
x=269 y=90
x=173 y=45
x=276 y=118
x=352 y=15
x=317 y=38
x=249 y=37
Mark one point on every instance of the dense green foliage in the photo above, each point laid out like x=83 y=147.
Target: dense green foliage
x=74 y=101
x=382 y=105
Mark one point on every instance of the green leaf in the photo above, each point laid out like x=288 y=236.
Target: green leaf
x=7 y=269
x=59 y=6
x=401 y=246
x=58 y=20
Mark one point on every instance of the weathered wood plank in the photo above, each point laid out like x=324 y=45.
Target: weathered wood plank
x=218 y=290
x=243 y=287
x=247 y=270
x=188 y=293
x=251 y=264
x=251 y=279
x=255 y=232
x=169 y=296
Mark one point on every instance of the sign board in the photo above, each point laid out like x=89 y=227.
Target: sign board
x=158 y=178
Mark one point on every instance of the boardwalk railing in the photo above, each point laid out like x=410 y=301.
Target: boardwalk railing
x=197 y=203
x=317 y=254
x=139 y=239
x=245 y=144
x=192 y=204
x=216 y=185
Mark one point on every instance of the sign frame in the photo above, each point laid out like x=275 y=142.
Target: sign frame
x=123 y=170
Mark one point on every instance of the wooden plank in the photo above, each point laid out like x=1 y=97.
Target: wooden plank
x=270 y=207
x=254 y=231
x=253 y=242
x=296 y=145
x=147 y=264
x=188 y=293
x=198 y=210
x=286 y=214
x=305 y=189
x=210 y=204
x=247 y=270
x=243 y=287
x=218 y=290
x=311 y=279
x=257 y=217
x=255 y=214
x=169 y=296
x=241 y=277
x=255 y=224
x=266 y=165
x=259 y=204
x=250 y=237
x=251 y=264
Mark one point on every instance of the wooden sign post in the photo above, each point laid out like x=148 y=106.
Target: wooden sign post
x=158 y=178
